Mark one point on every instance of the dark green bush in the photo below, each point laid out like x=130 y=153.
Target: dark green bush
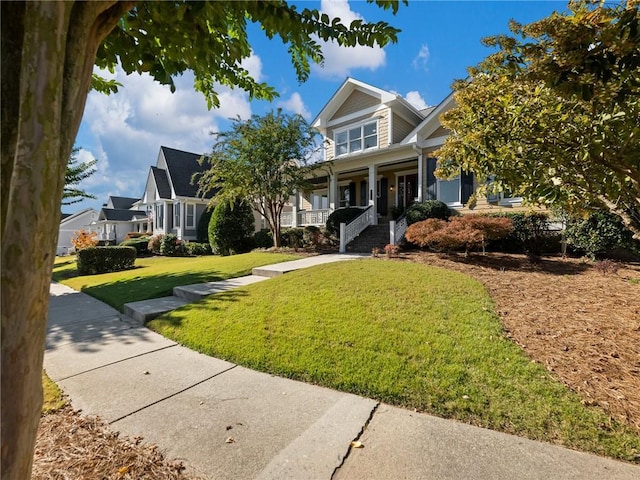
x=202 y=235
x=170 y=246
x=132 y=235
x=197 y=248
x=93 y=260
x=292 y=237
x=231 y=228
x=530 y=234
x=598 y=234
x=263 y=239
x=341 y=215
x=312 y=236
x=427 y=209
x=141 y=244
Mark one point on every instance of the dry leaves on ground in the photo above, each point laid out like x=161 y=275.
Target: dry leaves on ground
x=74 y=446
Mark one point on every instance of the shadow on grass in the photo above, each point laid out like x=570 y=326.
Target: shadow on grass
x=119 y=292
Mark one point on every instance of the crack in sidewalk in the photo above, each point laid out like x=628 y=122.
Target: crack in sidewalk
x=360 y=433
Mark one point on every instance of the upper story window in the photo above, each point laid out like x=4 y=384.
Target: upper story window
x=357 y=138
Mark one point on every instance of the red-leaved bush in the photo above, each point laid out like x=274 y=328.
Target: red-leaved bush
x=84 y=239
x=466 y=232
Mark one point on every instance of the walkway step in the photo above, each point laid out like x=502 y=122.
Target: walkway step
x=277 y=269
x=198 y=291
x=147 y=310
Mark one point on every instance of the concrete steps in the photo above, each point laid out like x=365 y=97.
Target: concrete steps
x=146 y=310
x=374 y=236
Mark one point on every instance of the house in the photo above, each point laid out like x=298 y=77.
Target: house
x=169 y=204
x=381 y=153
x=71 y=223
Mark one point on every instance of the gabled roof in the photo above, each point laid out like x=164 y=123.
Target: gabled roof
x=180 y=169
x=162 y=182
x=120 y=215
x=431 y=123
x=69 y=217
x=348 y=87
x=121 y=202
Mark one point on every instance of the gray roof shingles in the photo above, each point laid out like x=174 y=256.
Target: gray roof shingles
x=120 y=215
x=122 y=202
x=182 y=166
x=162 y=182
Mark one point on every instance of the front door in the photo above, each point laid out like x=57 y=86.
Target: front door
x=407 y=190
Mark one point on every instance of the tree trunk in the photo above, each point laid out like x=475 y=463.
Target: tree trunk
x=48 y=52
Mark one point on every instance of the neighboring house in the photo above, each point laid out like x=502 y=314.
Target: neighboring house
x=380 y=148
x=73 y=223
x=169 y=204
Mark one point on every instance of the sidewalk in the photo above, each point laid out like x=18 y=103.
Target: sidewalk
x=227 y=422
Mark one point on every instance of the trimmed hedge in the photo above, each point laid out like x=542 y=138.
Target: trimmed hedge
x=598 y=234
x=93 y=260
x=293 y=237
x=141 y=244
x=197 y=248
x=419 y=212
x=341 y=215
x=263 y=239
x=231 y=228
x=530 y=234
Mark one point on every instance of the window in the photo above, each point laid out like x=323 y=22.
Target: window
x=191 y=215
x=345 y=196
x=357 y=138
x=449 y=191
x=176 y=214
x=159 y=216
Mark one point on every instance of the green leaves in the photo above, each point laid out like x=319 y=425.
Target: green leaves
x=165 y=39
x=554 y=116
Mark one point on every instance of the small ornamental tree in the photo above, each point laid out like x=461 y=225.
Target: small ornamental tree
x=231 y=228
x=468 y=232
x=84 y=239
x=263 y=160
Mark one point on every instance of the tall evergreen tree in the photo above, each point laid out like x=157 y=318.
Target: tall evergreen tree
x=76 y=172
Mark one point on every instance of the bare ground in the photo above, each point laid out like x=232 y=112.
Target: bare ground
x=582 y=324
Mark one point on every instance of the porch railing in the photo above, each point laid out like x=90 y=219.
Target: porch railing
x=397 y=230
x=305 y=217
x=355 y=228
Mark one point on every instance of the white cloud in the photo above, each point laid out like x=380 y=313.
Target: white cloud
x=422 y=59
x=339 y=61
x=296 y=105
x=415 y=99
x=125 y=131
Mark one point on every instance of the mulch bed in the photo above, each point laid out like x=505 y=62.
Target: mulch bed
x=582 y=324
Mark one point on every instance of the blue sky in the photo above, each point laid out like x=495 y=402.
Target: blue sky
x=439 y=40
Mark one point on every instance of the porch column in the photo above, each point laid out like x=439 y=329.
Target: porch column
x=373 y=191
x=166 y=219
x=333 y=192
x=294 y=210
x=182 y=220
x=420 y=176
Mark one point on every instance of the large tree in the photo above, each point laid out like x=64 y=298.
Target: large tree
x=553 y=114
x=49 y=50
x=75 y=173
x=264 y=160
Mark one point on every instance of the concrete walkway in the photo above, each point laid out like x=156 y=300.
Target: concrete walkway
x=227 y=422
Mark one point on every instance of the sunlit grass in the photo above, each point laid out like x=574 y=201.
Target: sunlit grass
x=155 y=277
x=407 y=334
x=52 y=395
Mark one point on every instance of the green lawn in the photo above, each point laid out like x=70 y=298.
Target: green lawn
x=52 y=395
x=407 y=334
x=155 y=277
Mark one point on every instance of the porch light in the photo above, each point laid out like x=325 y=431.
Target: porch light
x=391 y=187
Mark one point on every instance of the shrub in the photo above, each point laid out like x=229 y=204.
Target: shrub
x=154 y=244
x=84 y=239
x=170 y=246
x=263 y=239
x=341 y=215
x=598 y=234
x=141 y=244
x=312 y=236
x=197 y=248
x=607 y=266
x=530 y=234
x=465 y=232
x=132 y=235
x=231 y=228
x=391 y=250
x=293 y=237
x=93 y=260
x=202 y=235
x=427 y=209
